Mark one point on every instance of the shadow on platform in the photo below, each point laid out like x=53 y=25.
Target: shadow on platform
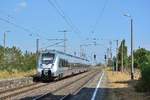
x=103 y=93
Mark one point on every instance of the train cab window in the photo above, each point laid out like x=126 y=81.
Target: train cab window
x=47 y=58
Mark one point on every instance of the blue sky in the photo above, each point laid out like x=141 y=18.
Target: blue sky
x=41 y=18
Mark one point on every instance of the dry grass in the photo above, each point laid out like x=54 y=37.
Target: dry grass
x=120 y=87
x=15 y=74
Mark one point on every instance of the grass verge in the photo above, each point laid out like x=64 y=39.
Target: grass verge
x=16 y=74
x=120 y=87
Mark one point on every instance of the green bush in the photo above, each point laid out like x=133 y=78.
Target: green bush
x=144 y=84
x=142 y=61
x=14 y=59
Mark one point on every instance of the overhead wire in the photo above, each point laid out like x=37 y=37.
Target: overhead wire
x=100 y=16
x=50 y=40
x=22 y=28
x=10 y=17
x=60 y=13
x=16 y=25
x=6 y=14
x=66 y=18
x=53 y=44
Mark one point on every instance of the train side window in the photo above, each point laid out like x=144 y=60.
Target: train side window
x=63 y=63
x=67 y=64
x=60 y=63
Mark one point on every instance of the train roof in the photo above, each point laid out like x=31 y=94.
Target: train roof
x=63 y=53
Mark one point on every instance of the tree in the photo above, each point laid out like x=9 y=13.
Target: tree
x=114 y=63
x=141 y=56
x=1 y=57
x=142 y=61
x=125 y=56
x=15 y=59
x=29 y=61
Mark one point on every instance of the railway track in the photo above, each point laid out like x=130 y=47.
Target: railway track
x=79 y=83
x=10 y=93
x=16 y=88
x=15 y=91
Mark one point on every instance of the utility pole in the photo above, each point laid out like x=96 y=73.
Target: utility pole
x=37 y=46
x=4 y=41
x=107 y=56
x=65 y=40
x=117 y=55
x=111 y=63
x=37 y=50
x=81 y=51
x=122 y=56
x=110 y=43
x=132 y=59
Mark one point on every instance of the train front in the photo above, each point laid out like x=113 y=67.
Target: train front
x=45 y=67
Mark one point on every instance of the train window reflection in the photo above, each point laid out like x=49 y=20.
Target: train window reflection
x=47 y=58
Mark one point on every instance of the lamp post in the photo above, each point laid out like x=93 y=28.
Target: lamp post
x=117 y=55
x=4 y=41
x=132 y=59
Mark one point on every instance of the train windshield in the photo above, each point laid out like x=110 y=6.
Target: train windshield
x=47 y=58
